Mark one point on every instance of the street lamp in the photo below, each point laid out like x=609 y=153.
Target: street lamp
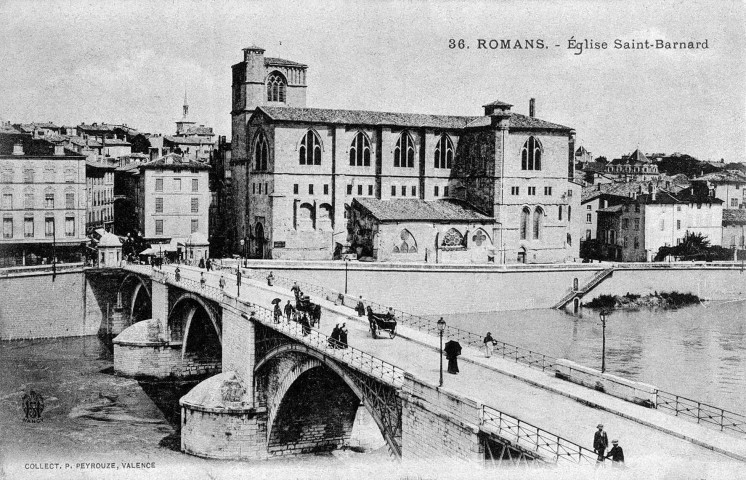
x=346 y=263
x=441 y=328
x=242 y=242
x=603 y=341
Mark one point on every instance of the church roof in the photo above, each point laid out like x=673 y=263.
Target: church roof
x=411 y=120
x=447 y=210
x=518 y=121
x=498 y=103
x=363 y=117
x=281 y=62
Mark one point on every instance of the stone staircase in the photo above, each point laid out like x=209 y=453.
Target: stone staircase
x=580 y=292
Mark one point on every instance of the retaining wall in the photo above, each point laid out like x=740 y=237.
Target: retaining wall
x=32 y=305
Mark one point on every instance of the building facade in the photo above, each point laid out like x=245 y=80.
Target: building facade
x=638 y=229
x=43 y=188
x=297 y=170
x=632 y=168
x=173 y=199
x=100 y=195
x=734 y=228
x=728 y=185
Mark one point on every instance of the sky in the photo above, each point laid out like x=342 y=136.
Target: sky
x=132 y=61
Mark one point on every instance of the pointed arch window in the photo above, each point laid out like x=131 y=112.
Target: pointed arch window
x=525 y=217
x=538 y=221
x=531 y=154
x=452 y=239
x=261 y=152
x=407 y=243
x=309 y=152
x=404 y=151
x=360 y=151
x=276 y=86
x=444 y=152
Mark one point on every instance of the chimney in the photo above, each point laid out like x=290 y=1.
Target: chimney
x=532 y=108
x=59 y=150
x=18 y=148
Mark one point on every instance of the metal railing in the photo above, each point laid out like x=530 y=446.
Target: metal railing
x=701 y=412
x=534 y=439
x=34 y=269
x=357 y=359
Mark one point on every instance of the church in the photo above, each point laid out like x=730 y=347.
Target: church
x=312 y=183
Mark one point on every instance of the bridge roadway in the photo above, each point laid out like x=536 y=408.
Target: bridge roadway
x=568 y=410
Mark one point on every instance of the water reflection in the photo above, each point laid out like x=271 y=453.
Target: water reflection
x=697 y=351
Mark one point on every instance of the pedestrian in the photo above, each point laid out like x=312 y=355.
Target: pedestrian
x=202 y=279
x=305 y=325
x=222 y=281
x=600 y=443
x=334 y=338
x=343 y=336
x=390 y=313
x=201 y=263
x=295 y=289
x=360 y=308
x=277 y=313
x=289 y=310
x=317 y=315
x=177 y=274
x=617 y=454
x=208 y=265
x=453 y=350
x=489 y=344
x=270 y=279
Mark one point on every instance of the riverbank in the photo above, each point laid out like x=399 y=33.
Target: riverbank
x=631 y=301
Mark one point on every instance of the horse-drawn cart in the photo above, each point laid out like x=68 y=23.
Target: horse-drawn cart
x=381 y=323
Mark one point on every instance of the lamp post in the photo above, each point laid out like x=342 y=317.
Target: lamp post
x=603 y=341
x=441 y=328
x=242 y=242
x=346 y=263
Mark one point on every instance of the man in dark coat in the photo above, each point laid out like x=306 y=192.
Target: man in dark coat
x=343 y=336
x=453 y=350
x=334 y=338
x=617 y=454
x=289 y=310
x=306 y=325
x=360 y=308
x=600 y=443
x=317 y=315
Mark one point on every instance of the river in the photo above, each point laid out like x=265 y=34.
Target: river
x=697 y=352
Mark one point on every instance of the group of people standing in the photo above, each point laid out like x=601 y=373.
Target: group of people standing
x=338 y=338
x=601 y=443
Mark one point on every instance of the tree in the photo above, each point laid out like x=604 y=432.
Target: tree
x=694 y=246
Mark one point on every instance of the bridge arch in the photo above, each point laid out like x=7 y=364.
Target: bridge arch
x=196 y=324
x=307 y=366
x=140 y=300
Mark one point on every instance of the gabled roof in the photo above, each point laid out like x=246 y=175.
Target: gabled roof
x=498 y=103
x=724 y=176
x=363 y=117
x=734 y=217
x=281 y=62
x=447 y=210
x=186 y=140
x=110 y=142
x=174 y=161
x=32 y=147
x=410 y=120
x=199 y=130
x=636 y=158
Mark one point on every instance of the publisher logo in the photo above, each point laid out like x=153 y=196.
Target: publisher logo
x=33 y=406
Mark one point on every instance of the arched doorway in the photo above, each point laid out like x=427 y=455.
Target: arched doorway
x=259 y=236
x=522 y=255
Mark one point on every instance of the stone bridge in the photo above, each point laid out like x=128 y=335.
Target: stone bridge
x=271 y=389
